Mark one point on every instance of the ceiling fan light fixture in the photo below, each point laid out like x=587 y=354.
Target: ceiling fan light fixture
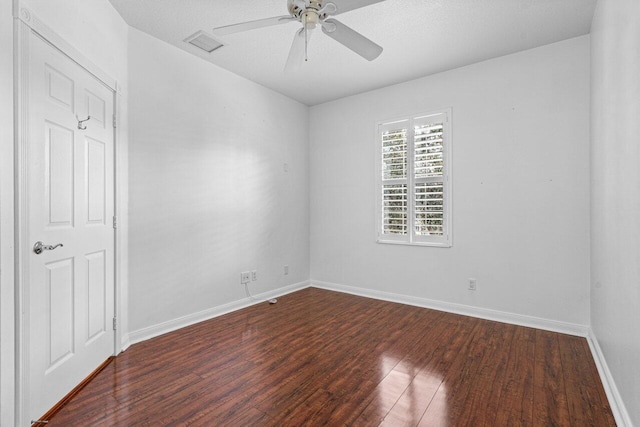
x=310 y=20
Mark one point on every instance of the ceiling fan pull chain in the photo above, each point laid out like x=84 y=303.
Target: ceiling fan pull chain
x=306 y=58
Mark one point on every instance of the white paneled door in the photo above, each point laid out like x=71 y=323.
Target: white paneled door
x=70 y=288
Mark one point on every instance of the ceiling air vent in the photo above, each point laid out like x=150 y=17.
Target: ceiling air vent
x=203 y=41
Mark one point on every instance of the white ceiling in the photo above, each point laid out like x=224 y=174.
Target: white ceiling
x=420 y=37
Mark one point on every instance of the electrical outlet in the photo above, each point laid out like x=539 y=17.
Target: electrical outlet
x=286 y=270
x=254 y=275
x=245 y=277
x=472 y=284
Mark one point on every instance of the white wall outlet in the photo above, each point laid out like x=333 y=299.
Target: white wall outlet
x=254 y=275
x=245 y=277
x=472 y=284
x=286 y=270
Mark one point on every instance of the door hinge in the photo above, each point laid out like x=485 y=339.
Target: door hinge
x=115 y=323
x=115 y=221
x=115 y=123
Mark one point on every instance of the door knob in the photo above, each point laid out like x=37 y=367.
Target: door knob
x=39 y=247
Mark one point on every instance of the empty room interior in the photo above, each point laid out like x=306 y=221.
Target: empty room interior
x=301 y=212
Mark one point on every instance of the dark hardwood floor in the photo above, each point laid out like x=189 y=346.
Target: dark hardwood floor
x=322 y=358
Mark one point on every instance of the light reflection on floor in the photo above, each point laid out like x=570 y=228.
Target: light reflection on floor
x=412 y=395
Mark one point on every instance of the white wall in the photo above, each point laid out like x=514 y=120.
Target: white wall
x=520 y=185
x=95 y=29
x=209 y=196
x=615 y=196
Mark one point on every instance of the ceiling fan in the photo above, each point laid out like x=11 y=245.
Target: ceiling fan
x=311 y=13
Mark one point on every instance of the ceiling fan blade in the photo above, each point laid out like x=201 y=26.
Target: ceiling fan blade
x=296 y=54
x=351 y=39
x=252 y=25
x=347 y=5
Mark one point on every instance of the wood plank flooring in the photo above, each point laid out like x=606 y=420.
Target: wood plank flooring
x=321 y=358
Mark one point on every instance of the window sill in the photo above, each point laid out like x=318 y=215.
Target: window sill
x=398 y=242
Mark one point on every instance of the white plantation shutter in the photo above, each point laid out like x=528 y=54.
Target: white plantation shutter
x=429 y=212
x=395 y=180
x=414 y=180
x=428 y=148
x=394 y=210
x=394 y=152
x=428 y=172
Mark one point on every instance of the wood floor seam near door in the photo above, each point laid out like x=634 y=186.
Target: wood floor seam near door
x=564 y=378
x=77 y=389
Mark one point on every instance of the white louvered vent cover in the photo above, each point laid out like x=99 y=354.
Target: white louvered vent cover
x=204 y=41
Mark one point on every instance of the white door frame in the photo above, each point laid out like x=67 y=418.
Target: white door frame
x=25 y=24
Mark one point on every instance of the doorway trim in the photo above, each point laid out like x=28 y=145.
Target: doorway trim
x=24 y=24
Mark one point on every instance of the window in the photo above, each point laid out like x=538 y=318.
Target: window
x=414 y=191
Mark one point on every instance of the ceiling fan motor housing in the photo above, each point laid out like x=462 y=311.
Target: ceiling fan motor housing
x=303 y=12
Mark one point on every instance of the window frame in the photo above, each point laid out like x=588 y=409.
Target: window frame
x=411 y=237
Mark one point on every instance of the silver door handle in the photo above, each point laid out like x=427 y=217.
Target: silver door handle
x=39 y=247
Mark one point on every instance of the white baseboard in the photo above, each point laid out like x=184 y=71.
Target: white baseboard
x=466 y=310
x=190 y=319
x=125 y=342
x=615 y=400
